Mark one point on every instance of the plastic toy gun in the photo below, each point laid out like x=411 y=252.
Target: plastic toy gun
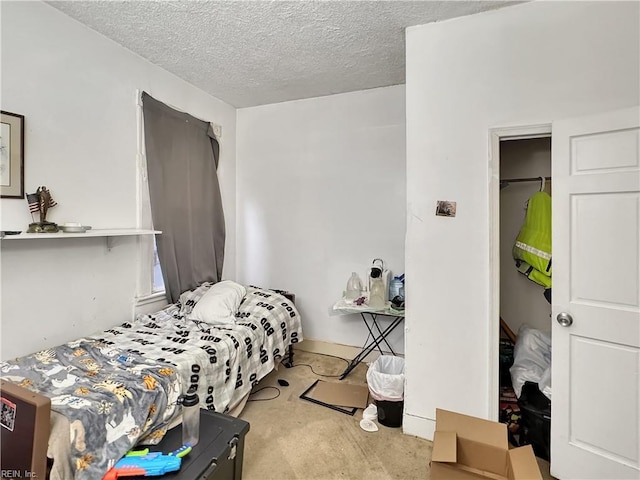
x=145 y=463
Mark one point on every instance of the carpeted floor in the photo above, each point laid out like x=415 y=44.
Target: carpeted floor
x=291 y=438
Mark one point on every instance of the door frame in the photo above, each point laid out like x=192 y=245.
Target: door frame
x=496 y=135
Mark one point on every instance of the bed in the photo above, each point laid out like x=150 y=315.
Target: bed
x=121 y=387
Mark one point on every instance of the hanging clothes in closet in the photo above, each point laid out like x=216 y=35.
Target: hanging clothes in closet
x=532 y=249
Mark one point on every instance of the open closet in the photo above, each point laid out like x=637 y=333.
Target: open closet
x=525 y=306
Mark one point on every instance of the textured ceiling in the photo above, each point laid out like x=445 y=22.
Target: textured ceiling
x=249 y=53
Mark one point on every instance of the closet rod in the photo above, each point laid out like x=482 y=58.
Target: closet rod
x=530 y=179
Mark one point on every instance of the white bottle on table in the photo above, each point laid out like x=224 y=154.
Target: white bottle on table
x=190 y=418
x=354 y=287
x=377 y=294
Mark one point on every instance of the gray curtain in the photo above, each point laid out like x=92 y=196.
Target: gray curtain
x=182 y=158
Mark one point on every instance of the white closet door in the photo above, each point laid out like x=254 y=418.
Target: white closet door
x=595 y=420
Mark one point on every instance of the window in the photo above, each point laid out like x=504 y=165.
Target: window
x=181 y=154
x=158 y=282
x=150 y=282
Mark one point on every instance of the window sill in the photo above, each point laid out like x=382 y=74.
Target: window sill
x=153 y=298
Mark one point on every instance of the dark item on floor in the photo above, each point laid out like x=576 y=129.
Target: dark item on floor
x=510 y=414
x=282 y=382
x=506 y=361
x=217 y=456
x=342 y=397
x=390 y=413
x=535 y=427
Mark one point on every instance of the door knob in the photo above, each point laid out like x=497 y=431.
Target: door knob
x=564 y=319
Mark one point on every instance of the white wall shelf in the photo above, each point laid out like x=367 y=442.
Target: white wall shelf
x=106 y=233
x=111 y=232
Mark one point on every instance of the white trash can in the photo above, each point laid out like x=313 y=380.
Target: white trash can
x=385 y=379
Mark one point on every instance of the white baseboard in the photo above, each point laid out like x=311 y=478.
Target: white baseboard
x=335 y=349
x=418 y=426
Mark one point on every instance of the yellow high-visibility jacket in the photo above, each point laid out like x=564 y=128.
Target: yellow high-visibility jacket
x=532 y=250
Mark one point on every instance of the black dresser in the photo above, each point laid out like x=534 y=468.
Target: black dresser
x=218 y=454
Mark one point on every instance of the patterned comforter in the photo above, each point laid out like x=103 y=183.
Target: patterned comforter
x=121 y=387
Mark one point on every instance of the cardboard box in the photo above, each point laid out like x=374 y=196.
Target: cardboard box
x=467 y=447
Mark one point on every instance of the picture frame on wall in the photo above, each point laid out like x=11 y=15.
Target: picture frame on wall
x=445 y=208
x=11 y=155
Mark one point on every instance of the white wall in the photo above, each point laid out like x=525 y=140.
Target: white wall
x=522 y=301
x=76 y=90
x=321 y=193
x=521 y=65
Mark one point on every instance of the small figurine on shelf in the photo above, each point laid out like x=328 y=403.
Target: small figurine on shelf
x=41 y=202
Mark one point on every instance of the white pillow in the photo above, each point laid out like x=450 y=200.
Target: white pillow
x=220 y=303
x=190 y=298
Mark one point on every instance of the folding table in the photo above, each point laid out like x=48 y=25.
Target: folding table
x=377 y=334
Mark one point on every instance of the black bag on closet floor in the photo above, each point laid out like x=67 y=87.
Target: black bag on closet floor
x=506 y=361
x=535 y=426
